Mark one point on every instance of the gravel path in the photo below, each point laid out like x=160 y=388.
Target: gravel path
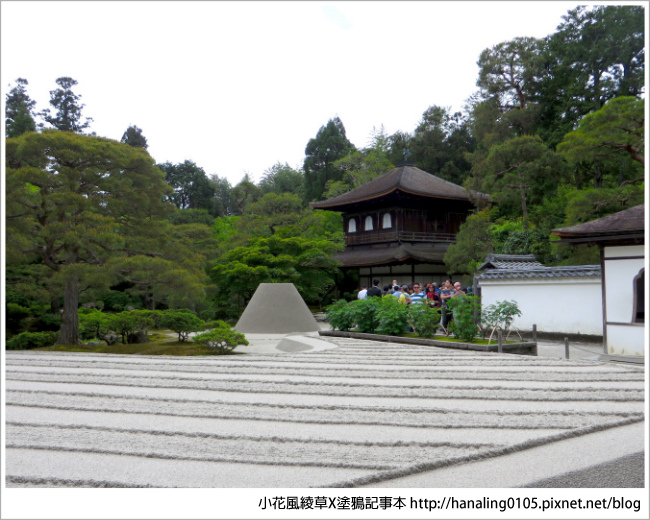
x=357 y=413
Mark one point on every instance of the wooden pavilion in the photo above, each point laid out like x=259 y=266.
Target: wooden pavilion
x=399 y=226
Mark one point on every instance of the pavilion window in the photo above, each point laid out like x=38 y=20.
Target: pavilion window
x=369 y=226
x=387 y=221
x=638 y=315
x=352 y=226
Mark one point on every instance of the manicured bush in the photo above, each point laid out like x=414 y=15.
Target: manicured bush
x=465 y=309
x=28 y=340
x=424 y=319
x=182 y=323
x=92 y=323
x=222 y=339
x=339 y=315
x=392 y=316
x=364 y=313
x=128 y=323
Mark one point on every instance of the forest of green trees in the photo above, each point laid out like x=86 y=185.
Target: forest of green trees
x=554 y=134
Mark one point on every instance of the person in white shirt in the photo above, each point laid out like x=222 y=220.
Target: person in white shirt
x=362 y=292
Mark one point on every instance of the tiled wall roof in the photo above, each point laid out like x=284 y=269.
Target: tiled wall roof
x=571 y=271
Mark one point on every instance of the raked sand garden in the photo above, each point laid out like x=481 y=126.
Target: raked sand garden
x=354 y=413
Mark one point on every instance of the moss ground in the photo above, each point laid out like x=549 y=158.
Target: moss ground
x=161 y=345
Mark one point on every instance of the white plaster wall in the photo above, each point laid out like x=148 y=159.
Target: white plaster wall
x=625 y=340
x=619 y=280
x=569 y=305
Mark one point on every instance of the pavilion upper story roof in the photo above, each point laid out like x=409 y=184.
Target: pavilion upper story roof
x=407 y=179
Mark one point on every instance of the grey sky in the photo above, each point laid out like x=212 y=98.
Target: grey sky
x=239 y=86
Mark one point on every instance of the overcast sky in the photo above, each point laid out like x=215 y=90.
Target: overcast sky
x=239 y=86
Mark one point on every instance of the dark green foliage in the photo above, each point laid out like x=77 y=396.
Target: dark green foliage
x=47 y=322
x=224 y=199
x=191 y=216
x=92 y=323
x=300 y=260
x=596 y=54
x=473 y=243
x=29 y=340
x=19 y=110
x=88 y=208
x=222 y=339
x=364 y=313
x=68 y=108
x=118 y=301
x=425 y=320
x=182 y=323
x=440 y=142
x=339 y=316
x=133 y=137
x=128 y=323
x=361 y=166
x=321 y=152
x=15 y=314
x=245 y=193
x=281 y=178
x=465 y=310
x=392 y=316
x=192 y=189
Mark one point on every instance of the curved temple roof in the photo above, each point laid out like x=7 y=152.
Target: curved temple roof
x=405 y=178
x=629 y=223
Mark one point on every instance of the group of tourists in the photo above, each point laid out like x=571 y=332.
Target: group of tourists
x=416 y=294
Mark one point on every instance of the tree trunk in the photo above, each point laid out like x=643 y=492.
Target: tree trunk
x=522 y=194
x=69 y=333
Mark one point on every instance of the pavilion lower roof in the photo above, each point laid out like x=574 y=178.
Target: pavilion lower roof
x=394 y=254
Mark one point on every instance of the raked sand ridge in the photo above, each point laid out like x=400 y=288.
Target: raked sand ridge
x=351 y=414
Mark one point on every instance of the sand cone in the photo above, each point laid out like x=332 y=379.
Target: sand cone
x=276 y=308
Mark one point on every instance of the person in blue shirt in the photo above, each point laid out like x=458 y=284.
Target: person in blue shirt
x=418 y=297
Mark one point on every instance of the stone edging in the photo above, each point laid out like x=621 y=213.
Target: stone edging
x=526 y=347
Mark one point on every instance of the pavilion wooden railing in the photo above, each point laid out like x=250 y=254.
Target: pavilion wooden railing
x=395 y=236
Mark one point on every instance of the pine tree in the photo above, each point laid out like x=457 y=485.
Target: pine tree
x=19 y=109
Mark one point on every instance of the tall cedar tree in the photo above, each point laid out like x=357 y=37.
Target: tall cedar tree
x=133 y=137
x=321 y=152
x=19 y=110
x=68 y=108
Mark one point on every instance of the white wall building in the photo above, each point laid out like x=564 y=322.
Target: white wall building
x=621 y=238
x=557 y=299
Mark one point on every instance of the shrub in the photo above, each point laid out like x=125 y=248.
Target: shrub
x=424 y=319
x=364 y=313
x=27 y=340
x=127 y=323
x=182 y=323
x=207 y=314
x=339 y=315
x=465 y=309
x=47 y=322
x=392 y=316
x=91 y=323
x=500 y=315
x=222 y=339
x=15 y=314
